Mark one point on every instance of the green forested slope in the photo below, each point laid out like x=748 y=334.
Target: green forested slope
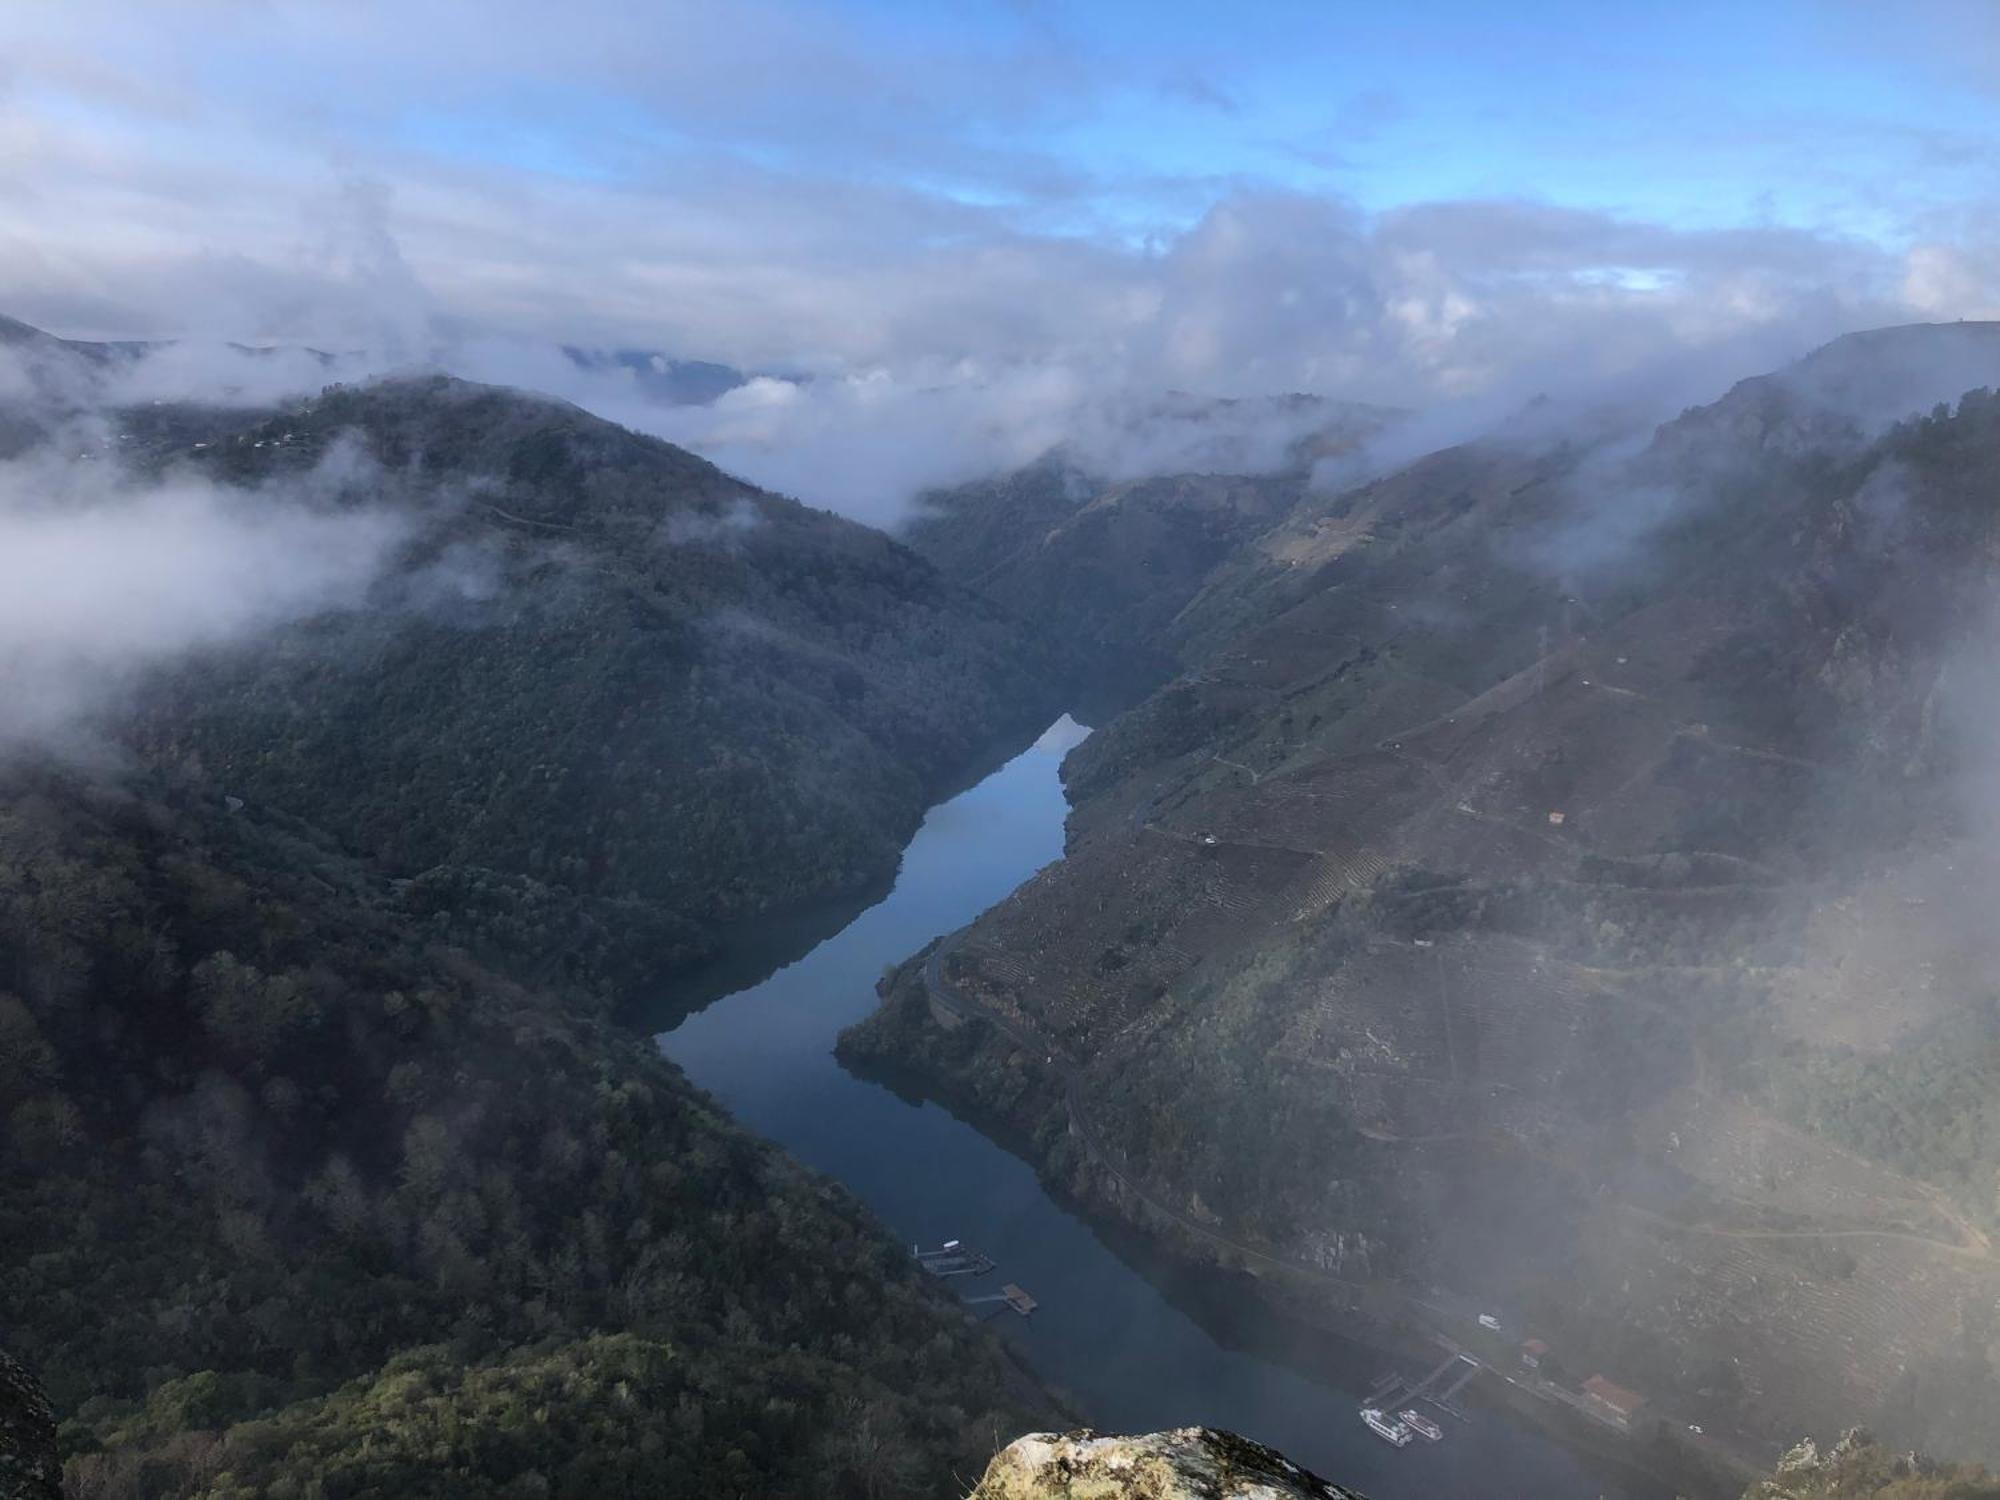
x=1559 y=879
x=261 y=1141
x=602 y=676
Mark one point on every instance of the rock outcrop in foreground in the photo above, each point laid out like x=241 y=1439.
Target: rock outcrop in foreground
x=1199 y=1463
x=1859 y=1468
x=1189 y=1463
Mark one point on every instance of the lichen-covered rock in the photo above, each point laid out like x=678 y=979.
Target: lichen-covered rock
x=1859 y=1468
x=28 y=1466
x=1189 y=1463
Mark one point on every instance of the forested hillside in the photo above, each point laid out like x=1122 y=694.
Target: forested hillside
x=606 y=694
x=1580 y=844
x=295 y=1202
x=324 y=1169
x=1111 y=563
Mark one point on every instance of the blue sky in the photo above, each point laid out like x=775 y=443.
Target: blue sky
x=1701 y=115
x=1426 y=200
x=1694 y=115
x=986 y=227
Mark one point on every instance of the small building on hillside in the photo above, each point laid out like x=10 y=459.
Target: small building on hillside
x=1610 y=1402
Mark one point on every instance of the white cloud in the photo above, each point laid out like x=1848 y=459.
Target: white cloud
x=1945 y=281
x=778 y=188
x=102 y=577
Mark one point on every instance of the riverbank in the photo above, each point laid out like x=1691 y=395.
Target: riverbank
x=745 y=954
x=1133 y=1340
x=928 y=1043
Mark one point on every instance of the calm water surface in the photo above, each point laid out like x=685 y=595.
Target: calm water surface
x=1134 y=1356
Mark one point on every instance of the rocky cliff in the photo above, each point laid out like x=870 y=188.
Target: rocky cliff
x=1189 y=1463
x=1859 y=1468
x=1207 y=1465
x=1199 y=1463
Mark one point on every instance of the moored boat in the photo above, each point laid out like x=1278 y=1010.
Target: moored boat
x=1385 y=1428
x=1422 y=1425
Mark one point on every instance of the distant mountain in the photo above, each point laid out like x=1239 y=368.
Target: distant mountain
x=1110 y=564
x=677 y=382
x=67 y=375
x=53 y=390
x=1551 y=885
x=45 y=381
x=1872 y=378
x=19 y=337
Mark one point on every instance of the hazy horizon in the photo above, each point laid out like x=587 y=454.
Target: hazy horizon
x=968 y=226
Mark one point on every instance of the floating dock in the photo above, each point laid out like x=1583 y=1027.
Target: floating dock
x=956 y=1258
x=1010 y=1294
x=953 y=1259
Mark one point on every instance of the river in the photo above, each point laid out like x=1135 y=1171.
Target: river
x=1134 y=1353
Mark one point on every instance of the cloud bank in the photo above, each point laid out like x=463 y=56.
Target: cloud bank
x=103 y=577
x=896 y=207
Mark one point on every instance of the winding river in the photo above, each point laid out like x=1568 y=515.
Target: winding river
x=1136 y=1349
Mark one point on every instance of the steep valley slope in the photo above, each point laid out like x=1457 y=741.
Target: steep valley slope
x=1555 y=884
x=1108 y=564
x=606 y=704
x=295 y=1200
x=325 y=1168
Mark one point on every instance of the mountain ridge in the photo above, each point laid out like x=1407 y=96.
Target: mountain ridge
x=609 y=607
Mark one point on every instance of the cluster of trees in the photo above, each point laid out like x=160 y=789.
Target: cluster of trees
x=602 y=666
x=322 y=1170
x=1931 y=1109
x=296 y=1201
x=614 y=1414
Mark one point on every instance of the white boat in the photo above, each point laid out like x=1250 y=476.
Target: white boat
x=1385 y=1428
x=1422 y=1425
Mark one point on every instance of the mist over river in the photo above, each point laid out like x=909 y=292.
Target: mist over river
x=1195 y=1348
